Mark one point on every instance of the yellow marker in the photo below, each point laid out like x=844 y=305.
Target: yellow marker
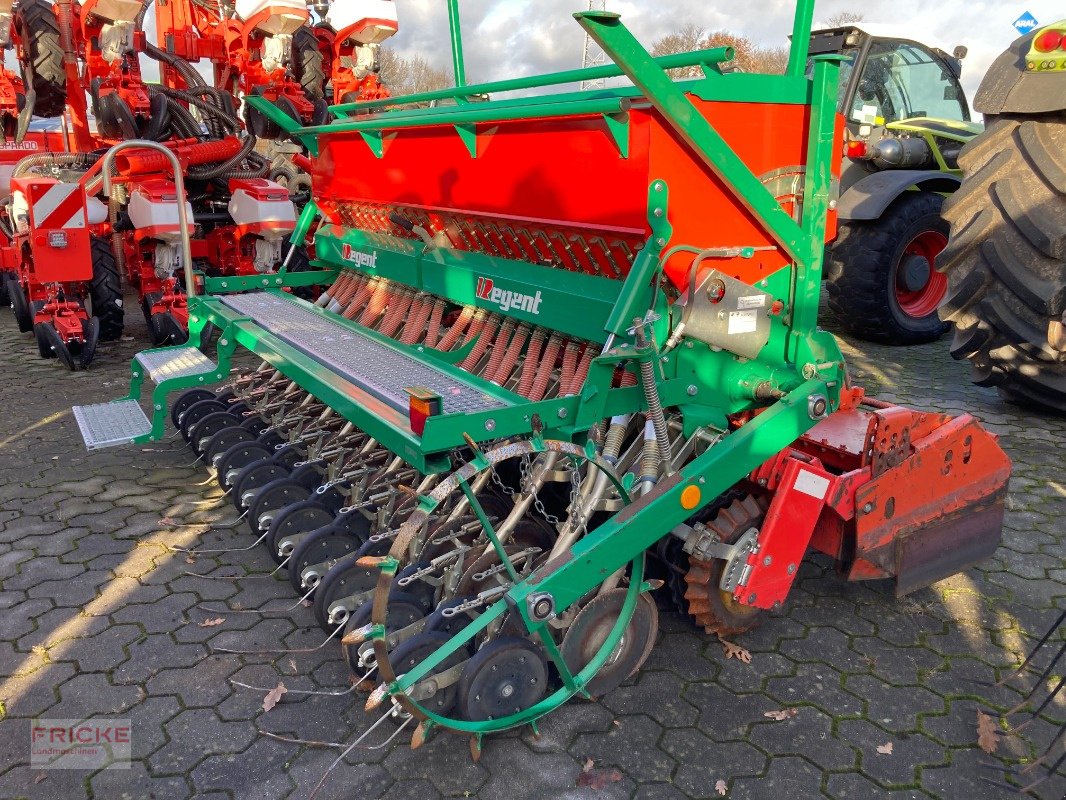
x=690 y=497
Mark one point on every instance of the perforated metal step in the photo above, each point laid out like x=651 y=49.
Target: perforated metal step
x=110 y=424
x=162 y=365
x=370 y=365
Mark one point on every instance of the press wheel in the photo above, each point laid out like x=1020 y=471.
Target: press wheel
x=326 y=544
x=294 y=522
x=593 y=625
x=237 y=458
x=187 y=399
x=346 y=579
x=196 y=412
x=254 y=477
x=272 y=498
x=504 y=678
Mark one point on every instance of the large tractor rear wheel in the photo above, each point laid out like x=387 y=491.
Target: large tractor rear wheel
x=306 y=62
x=881 y=280
x=1006 y=261
x=38 y=30
x=105 y=291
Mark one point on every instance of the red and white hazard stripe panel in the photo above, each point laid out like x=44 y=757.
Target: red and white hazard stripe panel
x=59 y=206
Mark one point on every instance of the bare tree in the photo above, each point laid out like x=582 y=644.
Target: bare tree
x=743 y=49
x=772 y=60
x=689 y=38
x=415 y=75
x=747 y=56
x=392 y=68
x=845 y=18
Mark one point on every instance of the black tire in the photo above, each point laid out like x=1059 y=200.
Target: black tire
x=38 y=30
x=300 y=262
x=90 y=331
x=306 y=62
x=1006 y=260
x=20 y=306
x=44 y=346
x=254 y=477
x=294 y=522
x=166 y=330
x=868 y=265
x=105 y=290
x=186 y=400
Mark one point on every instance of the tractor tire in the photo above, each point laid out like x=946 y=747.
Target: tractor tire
x=38 y=30
x=306 y=63
x=1006 y=260
x=105 y=291
x=881 y=280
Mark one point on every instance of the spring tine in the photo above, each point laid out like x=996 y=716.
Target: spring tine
x=999 y=784
x=228 y=526
x=1039 y=682
x=357 y=743
x=304 y=692
x=1039 y=709
x=277 y=651
x=264 y=611
x=211 y=501
x=220 y=549
x=1043 y=639
x=1052 y=770
x=253 y=577
x=1047 y=753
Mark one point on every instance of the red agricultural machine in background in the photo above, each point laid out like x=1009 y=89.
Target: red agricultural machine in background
x=69 y=247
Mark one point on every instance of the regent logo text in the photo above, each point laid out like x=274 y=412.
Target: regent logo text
x=359 y=258
x=507 y=300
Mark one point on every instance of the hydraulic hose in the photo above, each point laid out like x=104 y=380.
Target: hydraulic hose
x=80 y=161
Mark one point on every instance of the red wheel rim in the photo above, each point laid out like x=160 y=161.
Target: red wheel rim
x=924 y=301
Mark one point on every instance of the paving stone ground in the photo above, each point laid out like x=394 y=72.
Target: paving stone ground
x=101 y=619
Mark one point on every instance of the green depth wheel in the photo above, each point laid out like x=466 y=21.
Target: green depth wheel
x=503 y=666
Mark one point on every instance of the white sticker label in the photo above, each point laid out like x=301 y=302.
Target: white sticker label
x=868 y=114
x=814 y=485
x=742 y=322
x=751 y=301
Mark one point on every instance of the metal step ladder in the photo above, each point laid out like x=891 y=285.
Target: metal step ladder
x=124 y=421
x=173 y=362
x=111 y=424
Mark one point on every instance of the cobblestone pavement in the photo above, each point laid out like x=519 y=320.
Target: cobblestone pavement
x=100 y=618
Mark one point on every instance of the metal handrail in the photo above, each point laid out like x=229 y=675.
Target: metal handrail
x=710 y=56
x=179 y=185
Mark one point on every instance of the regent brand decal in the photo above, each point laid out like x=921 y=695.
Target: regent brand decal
x=359 y=258
x=507 y=300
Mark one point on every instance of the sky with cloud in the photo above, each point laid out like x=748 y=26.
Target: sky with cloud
x=511 y=38
x=508 y=38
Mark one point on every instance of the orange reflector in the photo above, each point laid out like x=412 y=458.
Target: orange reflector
x=423 y=404
x=690 y=497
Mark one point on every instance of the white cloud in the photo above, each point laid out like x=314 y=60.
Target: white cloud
x=511 y=38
